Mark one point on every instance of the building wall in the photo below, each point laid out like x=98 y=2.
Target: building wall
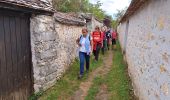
x=91 y=25
x=121 y=31
x=53 y=49
x=148 y=50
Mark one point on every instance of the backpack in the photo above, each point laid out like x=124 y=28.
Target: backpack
x=100 y=34
x=89 y=37
x=78 y=40
x=108 y=34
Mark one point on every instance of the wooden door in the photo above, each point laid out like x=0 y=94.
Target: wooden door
x=15 y=56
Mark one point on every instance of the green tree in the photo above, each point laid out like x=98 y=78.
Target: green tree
x=71 y=5
x=80 y=6
x=97 y=11
x=120 y=13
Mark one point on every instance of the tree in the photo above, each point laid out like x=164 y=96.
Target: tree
x=120 y=13
x=71 y=5
x=80 y=6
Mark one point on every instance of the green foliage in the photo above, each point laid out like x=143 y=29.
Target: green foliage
x=79 y=6
x=71 y=5
x=120 y=13
x=117 y=81
x=114 y=24
x=36 y=96
x=97 y=11
x=86 y=7
x=94 y=88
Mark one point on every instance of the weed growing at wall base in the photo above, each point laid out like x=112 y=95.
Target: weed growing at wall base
x=117 y=81
x=68 y=84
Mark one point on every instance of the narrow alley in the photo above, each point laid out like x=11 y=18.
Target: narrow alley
x=85 y=49
x=107 y=80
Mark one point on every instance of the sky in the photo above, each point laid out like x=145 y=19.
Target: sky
x=111 y=6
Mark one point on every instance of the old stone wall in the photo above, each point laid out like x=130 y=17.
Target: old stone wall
x=93 y=23
x=53 y=49
x=148 y=50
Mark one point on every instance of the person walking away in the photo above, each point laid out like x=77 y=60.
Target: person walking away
x=103 y=39
x=85 y=46
x=114 y=37
x=97 y=42
x=108 y=36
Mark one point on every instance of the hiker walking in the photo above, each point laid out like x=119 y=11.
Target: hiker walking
x=85 y=47
x=104 y=43
x=108 y=36
x=114 y=37
x=97 y=42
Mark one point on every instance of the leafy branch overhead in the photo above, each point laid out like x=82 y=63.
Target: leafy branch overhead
x=80 y=6
x=86 y=7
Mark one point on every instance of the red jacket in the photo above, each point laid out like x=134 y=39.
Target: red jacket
x=97 y=39
x=114 y=35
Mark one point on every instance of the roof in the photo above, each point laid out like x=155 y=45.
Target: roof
x=134 y=7
x=42 y=5
x=69 y=18
x=87 y=16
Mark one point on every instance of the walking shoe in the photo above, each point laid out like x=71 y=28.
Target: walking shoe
x=80 y=76
x=87 y=71
x=95 y=61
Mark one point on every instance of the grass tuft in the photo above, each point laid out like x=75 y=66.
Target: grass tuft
x=117 y=80
x=68 y=84
x=94 y=88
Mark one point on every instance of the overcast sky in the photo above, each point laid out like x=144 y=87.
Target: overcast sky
x=111 y=6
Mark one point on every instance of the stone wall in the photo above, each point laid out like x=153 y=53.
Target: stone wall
x=53 y=49
x=93 y=23
x=148 y=50
x=121 y=30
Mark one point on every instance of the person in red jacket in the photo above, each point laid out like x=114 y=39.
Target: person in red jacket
x=97 y=42
x=114 y=37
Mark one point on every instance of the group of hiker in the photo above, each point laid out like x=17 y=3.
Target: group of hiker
x=92 y=43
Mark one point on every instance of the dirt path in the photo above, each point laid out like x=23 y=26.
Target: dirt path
x=100 y=71
x=103 y=93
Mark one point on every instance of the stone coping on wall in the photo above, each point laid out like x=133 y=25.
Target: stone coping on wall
x=69 y=18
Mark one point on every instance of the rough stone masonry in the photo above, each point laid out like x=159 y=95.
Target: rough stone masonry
x=53 y=49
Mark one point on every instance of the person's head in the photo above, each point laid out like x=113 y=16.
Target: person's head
x=108 y=29
x=103 y=29
x=84 y=31
x=97 y=28
x=113 y=30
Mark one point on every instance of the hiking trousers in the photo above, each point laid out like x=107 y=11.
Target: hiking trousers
x=96 y=52
x=104 y=47
x=108 y=43
x=84 y=58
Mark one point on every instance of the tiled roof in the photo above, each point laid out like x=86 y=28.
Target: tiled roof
x=44 y=5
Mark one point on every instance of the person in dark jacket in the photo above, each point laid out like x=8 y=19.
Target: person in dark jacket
x=108 y=36
x=104 y=43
